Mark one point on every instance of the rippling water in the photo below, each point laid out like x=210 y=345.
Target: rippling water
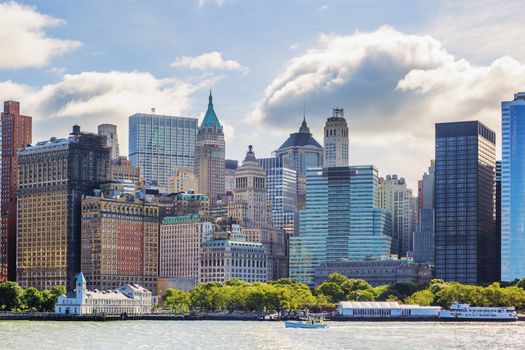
x=258 y=335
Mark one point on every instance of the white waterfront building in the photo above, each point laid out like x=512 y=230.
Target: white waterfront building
x=385 y=309
x=129 y=299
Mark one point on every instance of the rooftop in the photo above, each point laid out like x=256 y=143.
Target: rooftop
x=302 y=138
x=210 y=118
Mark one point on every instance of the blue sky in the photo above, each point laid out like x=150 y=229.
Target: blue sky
x=397 y=67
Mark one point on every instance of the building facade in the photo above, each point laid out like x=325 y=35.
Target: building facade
x=110 y=132
x=119 y=242
x=229 y=179
x=127 y=300
x=424 y=236
x=512 y=185
x=336 y=140
x=53 y=177
x=209 y=156
x=466 y=249
x=342 y=220
x=182 y=180
x=281 y=192
x=16 y=134
x=397 y=199
x=158 y=143
x=181 y=238
x=124 y=172
x=306 y=152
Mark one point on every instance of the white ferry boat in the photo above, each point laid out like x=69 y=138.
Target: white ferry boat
x=465 y=312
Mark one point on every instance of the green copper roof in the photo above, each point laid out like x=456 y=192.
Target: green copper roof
x=210 y=119
x=180 y=219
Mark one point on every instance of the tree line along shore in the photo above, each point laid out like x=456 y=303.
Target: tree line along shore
x=285 y=296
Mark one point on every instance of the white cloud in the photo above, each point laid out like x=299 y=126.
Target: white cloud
x=201 y=3
x=91 y=98
x=394 y=87
x=23 y=42
x=208 y=61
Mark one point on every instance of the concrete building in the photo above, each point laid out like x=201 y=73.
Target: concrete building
x=182 y=180
x=190 y=203
x=53 y=177
x=512 y=185
x=16 y=133
x=336 y=140
x=229 y=180
x=424 y=236
x=378 y=272
x=397 y=199
x=306 y=152
x=275 y=243
x=466 y=241
x=386 y=309
x=158 y=143
x=127 y=300
x=123 y=171
x=110 y=132
x=119 y=242
x=281 y=192
x=209 y=156
x=181 y=238
x=250 y=190
x=342 y=220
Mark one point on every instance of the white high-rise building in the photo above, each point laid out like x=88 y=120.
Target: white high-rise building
x=110 y=131
x=336 y=140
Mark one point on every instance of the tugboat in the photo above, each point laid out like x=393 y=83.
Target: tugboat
x=311 y=322
x=465 y=312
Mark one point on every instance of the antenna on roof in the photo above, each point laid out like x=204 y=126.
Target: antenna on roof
x=304 y=110
x=153 y=110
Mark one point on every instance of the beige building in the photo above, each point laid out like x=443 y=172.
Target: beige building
x=182 y=180
x=336 y=140
x=124 y=172
x=180 y=246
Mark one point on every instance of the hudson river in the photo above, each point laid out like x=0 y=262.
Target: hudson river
x=258 y=335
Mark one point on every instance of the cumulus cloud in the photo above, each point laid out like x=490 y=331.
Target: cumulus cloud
x=394 y=87
x=208 y=61
x=91 y=98
x=23 y=42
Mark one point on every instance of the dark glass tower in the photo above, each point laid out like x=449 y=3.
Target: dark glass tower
x=466 y=244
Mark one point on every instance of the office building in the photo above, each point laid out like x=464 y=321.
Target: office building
x=466 y=248
x=158 y=143
x=229 y=180
x=397 y=199
x=336 y=140
x=53 y=177
x=16 y=134
x=306 y=152
x=125 y=173
x=209 y=156
x=342 y=220
x=119 y=242
x=182 y=180
x=424 y=236
x=275 y=243
x=512 y=188
x=110 y=132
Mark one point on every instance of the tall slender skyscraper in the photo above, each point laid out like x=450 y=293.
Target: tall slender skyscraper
x=209 y=156
x=466 y=248
x=512 y=188
x=110 y=131
x=424 y=236
x=336 y=140
x=16 y=133
x=158 y=143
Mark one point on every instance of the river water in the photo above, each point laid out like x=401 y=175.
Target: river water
x=258 y=335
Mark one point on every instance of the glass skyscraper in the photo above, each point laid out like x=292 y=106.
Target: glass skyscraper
x=512 y=188
x=342 y=220
x=158 y=143
x=466 y=244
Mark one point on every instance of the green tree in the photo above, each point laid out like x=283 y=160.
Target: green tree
x=10 y=296
x=177 y=300
x=332 y=290
x=50 y=296
x=32 y=299
x=361 y=295
x=521 y=283
x=421 y=297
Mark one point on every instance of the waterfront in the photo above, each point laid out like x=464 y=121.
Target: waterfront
x=258 y=335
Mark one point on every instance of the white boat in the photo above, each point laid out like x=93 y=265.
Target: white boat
x=311 y=322
x=465 y=312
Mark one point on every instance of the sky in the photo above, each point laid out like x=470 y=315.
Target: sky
x=396 y=67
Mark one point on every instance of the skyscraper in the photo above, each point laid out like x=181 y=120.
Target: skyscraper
x=336 y=140
x=110 y=132
x=54 y=175
x=209 y=156
x=16 y=133
x=397 y=199
x=512 y=187
x=158 y=143
x=424 y=236
x=342 y=220
x=306 y=152
x=466 y=248
x=281 y=189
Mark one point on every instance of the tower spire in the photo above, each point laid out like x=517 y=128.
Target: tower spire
x=210 y=99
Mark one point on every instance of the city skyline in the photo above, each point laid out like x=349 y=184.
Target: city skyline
x=392 y=76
